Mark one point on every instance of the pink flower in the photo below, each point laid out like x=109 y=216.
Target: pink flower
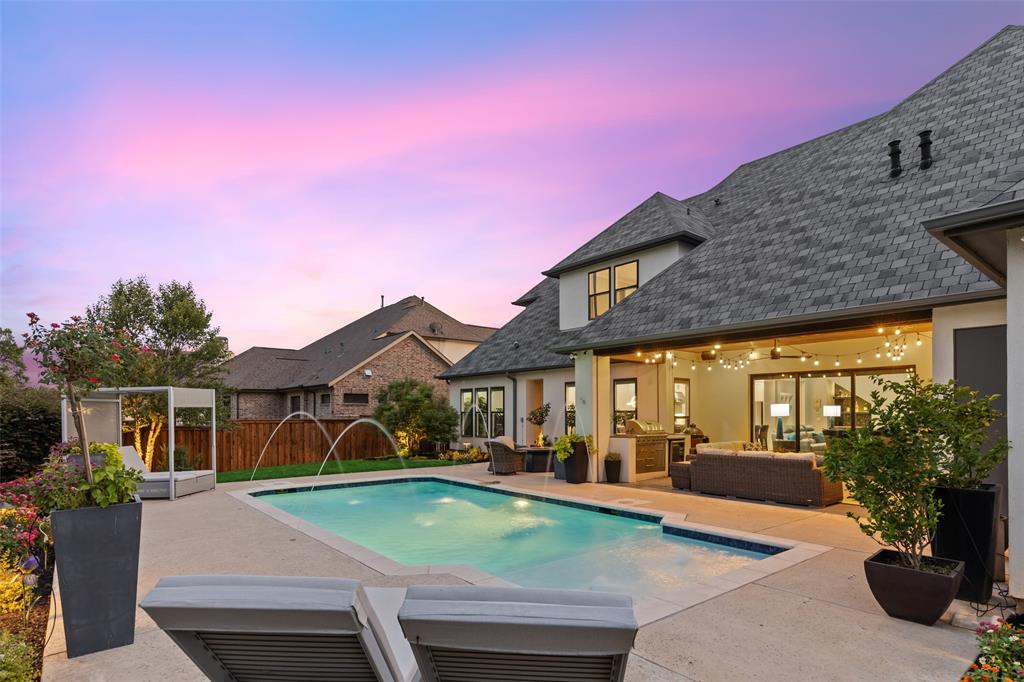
x=76 y=318
x=115 y=344
x=115 y=357
x=55 y=325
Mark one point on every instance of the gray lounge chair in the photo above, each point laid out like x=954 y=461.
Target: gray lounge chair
x=505 y=457
x=487 y=634
x=156 y=484
x=270 y=629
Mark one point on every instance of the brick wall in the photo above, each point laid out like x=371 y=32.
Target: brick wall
x=410 y=359
x=260 y=405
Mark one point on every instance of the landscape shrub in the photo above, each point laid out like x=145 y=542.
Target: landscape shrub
x=17 y=659
x=15 y=591
x=1002 y=654
x=29 y=425
x=411 y=411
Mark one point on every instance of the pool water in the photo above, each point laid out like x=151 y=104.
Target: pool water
x=526 y=541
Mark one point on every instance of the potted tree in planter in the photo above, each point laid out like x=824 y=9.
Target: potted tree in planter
x=96 y=539
x=538 y=417
x=612 y=467
x=574 y=451
x=967 y=528
x=889 y=466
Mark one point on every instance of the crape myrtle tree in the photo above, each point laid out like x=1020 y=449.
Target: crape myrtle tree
x=412 y=412
x=78 y=356
x=183 y=347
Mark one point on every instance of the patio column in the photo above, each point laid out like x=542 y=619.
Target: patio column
x=666 y=394
x=593 y=401
x=1015 y=404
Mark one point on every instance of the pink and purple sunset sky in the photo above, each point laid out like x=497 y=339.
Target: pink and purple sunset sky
x=296 y=161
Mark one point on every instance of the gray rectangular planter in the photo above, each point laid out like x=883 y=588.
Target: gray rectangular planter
x=97 y=553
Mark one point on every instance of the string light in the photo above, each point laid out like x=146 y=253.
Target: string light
x=919 y=342
x=718 y=346
x=693 y=366
x=898 y=332
x=837 y=361
x=881 y=330
x=816 y=363
x=859 y=361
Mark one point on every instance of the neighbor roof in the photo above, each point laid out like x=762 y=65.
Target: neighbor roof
x=816 y=230
x=340 y=351
x=659 y=219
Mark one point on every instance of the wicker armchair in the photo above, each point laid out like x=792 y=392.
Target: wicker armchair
x=506 y=460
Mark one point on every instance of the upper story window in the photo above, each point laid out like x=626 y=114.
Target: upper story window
x=626 y=279
x=599 y=296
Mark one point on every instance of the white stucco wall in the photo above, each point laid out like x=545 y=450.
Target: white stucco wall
x=947 y=320
x=1015 y=404
x=572 y=285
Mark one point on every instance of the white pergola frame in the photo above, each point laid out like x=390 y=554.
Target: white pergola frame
x=203 y=398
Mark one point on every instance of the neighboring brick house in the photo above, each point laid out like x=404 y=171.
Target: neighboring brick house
x=339 y=375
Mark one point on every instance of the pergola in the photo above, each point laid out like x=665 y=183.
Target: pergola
x=103 y=416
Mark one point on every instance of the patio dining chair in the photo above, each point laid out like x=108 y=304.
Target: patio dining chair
x=492 y=634
x=273 y=628
x=506 y=458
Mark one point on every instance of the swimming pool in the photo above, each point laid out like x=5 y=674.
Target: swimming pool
x=525 y=539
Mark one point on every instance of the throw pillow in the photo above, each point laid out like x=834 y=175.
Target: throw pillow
x=748 y=446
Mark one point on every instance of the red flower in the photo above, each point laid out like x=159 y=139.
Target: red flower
x=76 y=318
x=116 y=344
x=55 y=325
x=93 y=380
x=115 y=357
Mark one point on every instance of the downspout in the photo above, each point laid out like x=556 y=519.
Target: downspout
x=515 y=407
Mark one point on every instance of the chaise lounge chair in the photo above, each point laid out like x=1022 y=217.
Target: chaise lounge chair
x=156 y=484
x=491 y=634
x=269 y=629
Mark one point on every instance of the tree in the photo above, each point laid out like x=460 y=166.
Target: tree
x=12 y=366
x=29 y=425
x=77 y=356
x=412 y=412
x=184 y=349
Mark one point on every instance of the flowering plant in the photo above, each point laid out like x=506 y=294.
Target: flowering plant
x=77 y=356
x=1002 y=654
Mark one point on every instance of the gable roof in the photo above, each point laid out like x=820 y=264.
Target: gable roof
x=816 y=230
x=522 y=344
x=659 y=219
x=347 y=348
x=821 y=229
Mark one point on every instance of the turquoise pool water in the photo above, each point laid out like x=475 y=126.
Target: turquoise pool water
x=526 y=541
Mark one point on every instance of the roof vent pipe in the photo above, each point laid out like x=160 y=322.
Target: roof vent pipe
x=894 y=159
x=926 y=149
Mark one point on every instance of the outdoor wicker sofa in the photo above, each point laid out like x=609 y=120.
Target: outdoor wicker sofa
x=789 y=478
x=505 y=457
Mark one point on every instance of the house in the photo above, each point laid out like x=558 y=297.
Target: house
x=339 y=375
x=761 y=309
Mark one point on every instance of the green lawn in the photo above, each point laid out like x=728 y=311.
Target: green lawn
x=352 y=466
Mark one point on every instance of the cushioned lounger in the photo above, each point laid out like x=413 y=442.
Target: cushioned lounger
x=266 y=628
x=157 y=484
x=488 y=634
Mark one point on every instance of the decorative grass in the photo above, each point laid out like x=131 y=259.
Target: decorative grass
x=351 y=466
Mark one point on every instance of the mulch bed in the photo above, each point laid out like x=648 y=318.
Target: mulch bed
x=33 y=627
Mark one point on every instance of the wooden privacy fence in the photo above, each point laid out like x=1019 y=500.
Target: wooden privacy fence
x=298 y=441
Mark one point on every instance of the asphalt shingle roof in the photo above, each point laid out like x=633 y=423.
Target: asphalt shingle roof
x=658 y=219
x=327 y=358
x=821 y=228
x=522 y=344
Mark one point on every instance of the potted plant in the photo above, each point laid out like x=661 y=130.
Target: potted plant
x=538 y=416
x=574 y=451
x=888 y=466
x=96 y=531
x=967 y=529
x=612 y=467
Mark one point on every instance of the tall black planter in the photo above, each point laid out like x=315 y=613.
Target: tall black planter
x=559 y=468
x=97 y=552
x=967 y=532
x=577 y=464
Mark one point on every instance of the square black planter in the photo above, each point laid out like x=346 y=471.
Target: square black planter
x=97 y=553
x=967 y=532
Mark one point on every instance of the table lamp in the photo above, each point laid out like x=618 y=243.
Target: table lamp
x=832 y=411
x=779 y=410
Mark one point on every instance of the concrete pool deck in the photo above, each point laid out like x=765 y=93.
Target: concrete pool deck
x=813 y=620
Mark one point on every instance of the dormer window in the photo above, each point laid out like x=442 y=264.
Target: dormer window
x=626 y=279
x=599 y=295
x=608 y=286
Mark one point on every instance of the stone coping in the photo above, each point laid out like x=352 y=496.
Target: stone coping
x=782 y=553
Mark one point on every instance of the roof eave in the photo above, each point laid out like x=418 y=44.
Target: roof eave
x=965 y=231
x=684 y=236
x=513 y=370
x=779 y=326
